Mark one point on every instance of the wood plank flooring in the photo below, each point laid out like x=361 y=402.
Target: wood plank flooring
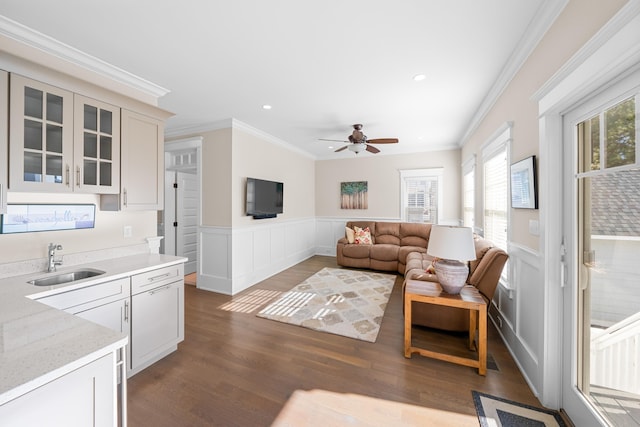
x=235 y=369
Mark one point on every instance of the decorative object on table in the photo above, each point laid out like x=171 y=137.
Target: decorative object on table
x=496 y=411
x=451 y=245
x=524 y=192
x=353 y=195
x=339 y=301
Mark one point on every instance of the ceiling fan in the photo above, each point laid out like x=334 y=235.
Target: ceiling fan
x=359 y=141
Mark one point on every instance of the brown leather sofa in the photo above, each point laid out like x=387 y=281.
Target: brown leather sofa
x=391 y=243
x=401 y=247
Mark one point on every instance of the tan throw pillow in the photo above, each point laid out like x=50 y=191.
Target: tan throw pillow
x=363 y=236
x=350 y=234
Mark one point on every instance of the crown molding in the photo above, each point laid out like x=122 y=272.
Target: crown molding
x=545 y=17
x=28 y=37
x=620 y=20
x=234 y=124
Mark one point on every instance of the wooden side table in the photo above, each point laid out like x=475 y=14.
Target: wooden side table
x=469 y=298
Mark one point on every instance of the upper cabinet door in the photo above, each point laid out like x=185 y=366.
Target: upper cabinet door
x=96 y=146
x=40 y=136
x=4 y=147
x=142 y=162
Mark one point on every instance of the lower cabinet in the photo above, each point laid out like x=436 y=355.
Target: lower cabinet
x=83 y=397
x=157 y=323
x=148 y=307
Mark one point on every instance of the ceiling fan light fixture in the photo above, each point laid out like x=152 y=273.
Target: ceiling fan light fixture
x=358 y=148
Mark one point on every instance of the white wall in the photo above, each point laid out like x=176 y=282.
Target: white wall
x=383 y=177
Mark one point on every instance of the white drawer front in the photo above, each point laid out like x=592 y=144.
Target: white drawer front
x=151 y=279
x=102 y=293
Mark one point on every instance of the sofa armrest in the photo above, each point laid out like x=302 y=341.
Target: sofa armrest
x=486 y=275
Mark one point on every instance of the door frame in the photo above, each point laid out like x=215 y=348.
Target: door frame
x=610 y=55
x=193 y=143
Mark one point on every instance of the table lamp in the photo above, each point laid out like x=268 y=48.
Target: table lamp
x=451 y=245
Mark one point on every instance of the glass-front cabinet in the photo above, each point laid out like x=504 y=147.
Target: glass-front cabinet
x=97 y=146
x=60 y=141
x=40 y=136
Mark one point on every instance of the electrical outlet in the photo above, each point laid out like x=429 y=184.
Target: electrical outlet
x=128 y=231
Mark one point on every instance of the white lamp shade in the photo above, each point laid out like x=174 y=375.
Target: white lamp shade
x=454 y=243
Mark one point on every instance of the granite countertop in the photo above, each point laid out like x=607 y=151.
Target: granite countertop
x=39 y=343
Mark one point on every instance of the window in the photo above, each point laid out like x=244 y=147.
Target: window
x=421 y=195
x=495 y=156
x=468 y=192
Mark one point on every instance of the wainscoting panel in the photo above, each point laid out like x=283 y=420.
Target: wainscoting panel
x=214 y=264
x=515 y=313
x=232 y=260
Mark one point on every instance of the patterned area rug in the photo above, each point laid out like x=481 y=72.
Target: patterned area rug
x=339 y=301
x=497 y=412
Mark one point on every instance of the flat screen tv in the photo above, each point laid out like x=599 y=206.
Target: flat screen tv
x=264 y=199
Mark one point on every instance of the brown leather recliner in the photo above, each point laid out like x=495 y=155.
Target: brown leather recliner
x=484 y=274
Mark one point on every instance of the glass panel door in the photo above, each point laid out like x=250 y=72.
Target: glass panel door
x=607 y=256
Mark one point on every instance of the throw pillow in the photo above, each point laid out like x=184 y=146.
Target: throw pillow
x=363 y=236
x=350 y=234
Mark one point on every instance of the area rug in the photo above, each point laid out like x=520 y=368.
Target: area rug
x=498 y=412
x=338 y=301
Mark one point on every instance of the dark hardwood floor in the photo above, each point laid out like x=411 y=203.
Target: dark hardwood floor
x=235 y=369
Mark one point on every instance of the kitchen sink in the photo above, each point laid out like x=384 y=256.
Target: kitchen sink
x=61 y=278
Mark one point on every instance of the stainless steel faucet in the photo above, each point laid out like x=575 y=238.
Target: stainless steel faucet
x=53 y=262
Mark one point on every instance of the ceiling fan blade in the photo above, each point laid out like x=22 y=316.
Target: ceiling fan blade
x=383 y=141
x=372 y=149
x=332 y=140
x=341 y=148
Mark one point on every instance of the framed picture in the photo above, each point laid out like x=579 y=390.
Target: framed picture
x=354 y=195
x=524 y=191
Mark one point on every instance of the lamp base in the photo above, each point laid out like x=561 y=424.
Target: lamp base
x=452 y=275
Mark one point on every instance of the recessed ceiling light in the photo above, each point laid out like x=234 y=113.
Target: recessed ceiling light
x=419 y=77
x=266 y=107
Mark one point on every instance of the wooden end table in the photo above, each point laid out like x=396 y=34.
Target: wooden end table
x=469 y=298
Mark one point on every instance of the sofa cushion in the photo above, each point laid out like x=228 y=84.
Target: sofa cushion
x=414 y=234
x=350 y=235
x=388 y=233
x=356 y=251
x=364 y=224
x=362 y=236
x=406 y=250
x=384 y=252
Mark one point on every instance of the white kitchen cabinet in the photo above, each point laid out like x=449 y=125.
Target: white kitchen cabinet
x=157 y=315
x=40 y=136
x=96 y=146
x=141 y=164
x=83 y=397
x=4 y=145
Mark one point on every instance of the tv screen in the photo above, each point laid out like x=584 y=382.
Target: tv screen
x=264 y=198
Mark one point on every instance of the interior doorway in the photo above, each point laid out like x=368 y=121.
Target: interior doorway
x=181 y=215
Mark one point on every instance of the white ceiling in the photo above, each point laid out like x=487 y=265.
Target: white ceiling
x=322 y=65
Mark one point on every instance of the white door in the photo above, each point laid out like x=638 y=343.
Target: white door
x=187 y=202
x=601 y=299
